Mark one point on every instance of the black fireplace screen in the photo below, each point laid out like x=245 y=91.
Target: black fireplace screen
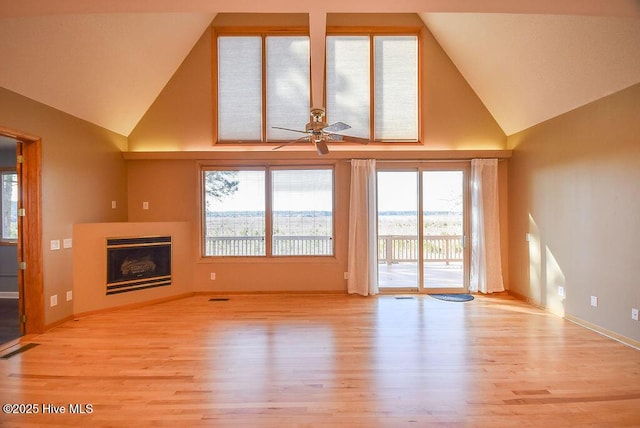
x=138 y=263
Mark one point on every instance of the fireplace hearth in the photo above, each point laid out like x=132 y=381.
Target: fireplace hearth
x=138 y=263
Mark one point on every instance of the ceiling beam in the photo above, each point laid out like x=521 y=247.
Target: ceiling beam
x=317 y=34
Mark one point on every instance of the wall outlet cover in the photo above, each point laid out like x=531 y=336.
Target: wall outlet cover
x=594 y=301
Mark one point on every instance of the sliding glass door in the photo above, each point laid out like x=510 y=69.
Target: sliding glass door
x=422 y=228
x=398 y=252
x=443 y=229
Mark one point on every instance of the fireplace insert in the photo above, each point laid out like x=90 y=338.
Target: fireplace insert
x=138 y=263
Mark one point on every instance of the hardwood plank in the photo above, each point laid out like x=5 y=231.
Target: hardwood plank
x=326 y=361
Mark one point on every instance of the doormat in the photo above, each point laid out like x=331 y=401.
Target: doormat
x=453 y=297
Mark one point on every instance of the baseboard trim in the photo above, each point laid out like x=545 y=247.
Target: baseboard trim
x=131 y=306
x=58 y=323
x=582 y=323
x=603 y=331
x=528 y=300
x=9 y=295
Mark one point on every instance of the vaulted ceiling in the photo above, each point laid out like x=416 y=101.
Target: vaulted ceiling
x=106 y=61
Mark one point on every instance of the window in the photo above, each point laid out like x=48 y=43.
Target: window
x=302 y=212
x=237 y=219
x=9 y=205
x=372 y=84
x=263 y=80
x=252 y=97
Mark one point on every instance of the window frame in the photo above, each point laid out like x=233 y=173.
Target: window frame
x=3 y=240
x=267 y=168
x=371 y=33
x=247 y=32
x=265 y=32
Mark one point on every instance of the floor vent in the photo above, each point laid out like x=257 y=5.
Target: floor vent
x=20 y=350
x=219 y=299
x=405 y=298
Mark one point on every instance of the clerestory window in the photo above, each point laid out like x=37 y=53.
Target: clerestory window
x=372 y=84
x=263 y=80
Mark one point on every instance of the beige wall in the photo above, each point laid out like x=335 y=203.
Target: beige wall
x=173 y=194
x=82 y=172
x=574 y=185
x=180 y=120
x=172 y=190
x=453 y=116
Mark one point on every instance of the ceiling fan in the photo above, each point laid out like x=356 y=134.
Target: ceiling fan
x=319 y=132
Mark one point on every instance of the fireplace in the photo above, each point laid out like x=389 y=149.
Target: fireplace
x=138 y=263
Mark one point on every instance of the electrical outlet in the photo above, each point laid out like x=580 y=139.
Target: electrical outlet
x=594 y=301
x=55 y=244
x=213 y=276
x=114 y=205
x=53 y=300
x=145 y=205
x=69 y=296
x=561 y=291
x=634 y=314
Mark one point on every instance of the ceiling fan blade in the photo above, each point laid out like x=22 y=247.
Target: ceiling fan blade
x=336 y=127
x=291 y=142
x=289 y=129
x=322 y=148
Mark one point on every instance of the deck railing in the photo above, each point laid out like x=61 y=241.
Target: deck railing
x=436 y=248
x=391 y=248
x=281 y=246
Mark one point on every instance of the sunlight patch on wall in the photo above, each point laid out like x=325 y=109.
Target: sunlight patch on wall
x=535 y=262
x=554 y=283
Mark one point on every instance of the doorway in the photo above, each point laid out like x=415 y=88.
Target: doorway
x=24 y=215
x=423 y=227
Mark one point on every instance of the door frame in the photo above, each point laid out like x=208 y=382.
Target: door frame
x=30 y=279
x=420 y=167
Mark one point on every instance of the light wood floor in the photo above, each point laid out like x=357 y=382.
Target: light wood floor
x=326 y=361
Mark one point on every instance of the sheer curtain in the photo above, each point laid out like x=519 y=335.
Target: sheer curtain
x=362 y=256
x=486 y=263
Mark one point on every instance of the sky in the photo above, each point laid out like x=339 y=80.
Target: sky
x=305 y=191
